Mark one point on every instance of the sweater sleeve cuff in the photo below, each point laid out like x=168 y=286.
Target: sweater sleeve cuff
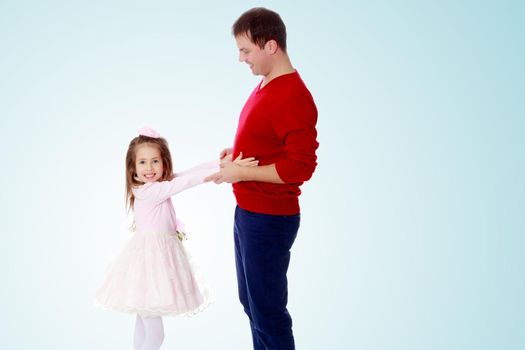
x=291 y=171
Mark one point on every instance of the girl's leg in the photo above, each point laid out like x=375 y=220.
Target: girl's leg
x=138 y=338
x=154 y=333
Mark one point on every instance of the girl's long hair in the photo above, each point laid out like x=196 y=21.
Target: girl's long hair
x=131 y=172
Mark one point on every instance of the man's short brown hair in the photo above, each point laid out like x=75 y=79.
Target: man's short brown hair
x=261 y=25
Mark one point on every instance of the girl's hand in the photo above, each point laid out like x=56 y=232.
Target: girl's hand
x=246 y=162
x=226 y=152
x=226 y=159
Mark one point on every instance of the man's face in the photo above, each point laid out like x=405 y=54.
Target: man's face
x=255 y=57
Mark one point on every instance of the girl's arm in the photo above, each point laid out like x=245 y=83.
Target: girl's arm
x=208 y=165
x=162 y=190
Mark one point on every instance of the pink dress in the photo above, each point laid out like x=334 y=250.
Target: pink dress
x=153 y=275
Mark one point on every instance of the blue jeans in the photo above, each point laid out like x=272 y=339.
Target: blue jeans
x=262 y=256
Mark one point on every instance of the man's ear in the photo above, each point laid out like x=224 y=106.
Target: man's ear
x=271 y=47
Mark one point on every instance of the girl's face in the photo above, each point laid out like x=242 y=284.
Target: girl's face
x=148 y=163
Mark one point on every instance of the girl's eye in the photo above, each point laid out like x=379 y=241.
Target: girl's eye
x=141 y=162
x=155 y=161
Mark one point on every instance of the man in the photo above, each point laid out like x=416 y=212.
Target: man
x=277 y=127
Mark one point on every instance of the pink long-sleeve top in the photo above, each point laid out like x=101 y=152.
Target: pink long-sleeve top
x=153 y=208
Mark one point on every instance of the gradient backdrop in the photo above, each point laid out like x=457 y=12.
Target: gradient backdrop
x=413 y=227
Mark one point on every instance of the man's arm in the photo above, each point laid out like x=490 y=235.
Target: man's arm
x=232 y=173
x=296 y=126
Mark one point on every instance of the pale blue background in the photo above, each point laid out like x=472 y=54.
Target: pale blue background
x=413 y=226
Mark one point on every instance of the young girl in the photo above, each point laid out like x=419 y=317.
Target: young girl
x=152 y=276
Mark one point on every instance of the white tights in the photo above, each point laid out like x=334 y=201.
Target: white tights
x=149 y=333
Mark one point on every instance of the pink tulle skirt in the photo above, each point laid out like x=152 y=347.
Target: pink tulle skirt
x=153 y=276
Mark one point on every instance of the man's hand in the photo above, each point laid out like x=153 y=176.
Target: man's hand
x=231 y=171
x=250 y=161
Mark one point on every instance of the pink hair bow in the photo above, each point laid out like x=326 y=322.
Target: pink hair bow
x=149 y=132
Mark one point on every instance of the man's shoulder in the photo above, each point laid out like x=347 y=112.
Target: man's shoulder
x=294 y=88
x=296 y=96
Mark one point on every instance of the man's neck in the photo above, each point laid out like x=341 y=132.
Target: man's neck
x=282 y=67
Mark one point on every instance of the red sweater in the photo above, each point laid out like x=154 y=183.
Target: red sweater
x=277 y=125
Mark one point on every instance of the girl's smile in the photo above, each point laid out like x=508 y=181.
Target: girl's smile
x=148 y=163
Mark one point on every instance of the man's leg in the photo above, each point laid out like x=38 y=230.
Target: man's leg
x=265 y=242
x=241 y=280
